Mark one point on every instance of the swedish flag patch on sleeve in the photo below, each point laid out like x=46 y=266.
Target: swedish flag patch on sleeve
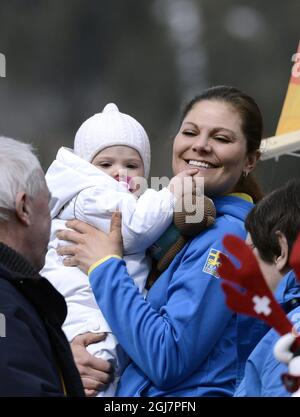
x=212 y=262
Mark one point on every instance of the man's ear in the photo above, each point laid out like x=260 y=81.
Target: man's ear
x=23 y=209
x=281 y=261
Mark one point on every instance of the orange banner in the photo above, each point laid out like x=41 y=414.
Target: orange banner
x=290 y=116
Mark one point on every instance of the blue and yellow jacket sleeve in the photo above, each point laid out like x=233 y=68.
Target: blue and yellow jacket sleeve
x=170 y=334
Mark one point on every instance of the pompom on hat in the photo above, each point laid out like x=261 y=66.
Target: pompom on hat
x=112 y=128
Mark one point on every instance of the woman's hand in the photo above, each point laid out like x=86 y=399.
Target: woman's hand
x=91 y=244
x=95 y=373
x=183 y=183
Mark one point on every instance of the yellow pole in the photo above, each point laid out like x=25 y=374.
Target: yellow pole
x=289 y=120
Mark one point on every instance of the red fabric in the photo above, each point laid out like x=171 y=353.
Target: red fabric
x=254 y=292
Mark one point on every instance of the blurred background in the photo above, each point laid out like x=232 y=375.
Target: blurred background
x=66 y=59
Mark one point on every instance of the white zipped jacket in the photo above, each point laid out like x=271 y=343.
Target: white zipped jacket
x=81 y=191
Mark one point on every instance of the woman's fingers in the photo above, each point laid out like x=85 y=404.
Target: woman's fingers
x=91 y=384
x=70 y=261
x=69 y=250
x=69 y=253
x=116 y=222
x=79 y=226
x=89 y=338
x=84 y=359
x=116 y=227
x=95 y=373
x=91 y=244
x=99 y=378
x=101 y=365
x=90 y=393
x=69 y=235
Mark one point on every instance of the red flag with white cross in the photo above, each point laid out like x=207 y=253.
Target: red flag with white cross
x=246 y=289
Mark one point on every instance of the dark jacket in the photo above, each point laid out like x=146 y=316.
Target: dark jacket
x=35 y=356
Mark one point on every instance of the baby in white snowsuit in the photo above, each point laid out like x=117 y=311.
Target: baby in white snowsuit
x=89 y=184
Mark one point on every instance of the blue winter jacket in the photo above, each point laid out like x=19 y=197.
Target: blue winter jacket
x=263 y=372
x=182 y=338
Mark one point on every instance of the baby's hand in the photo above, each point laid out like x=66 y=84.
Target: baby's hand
x=183 y=182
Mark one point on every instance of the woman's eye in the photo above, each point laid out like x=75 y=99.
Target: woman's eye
x=222 y=139
x=131 y=166
x=189 y=133
x=104 y=165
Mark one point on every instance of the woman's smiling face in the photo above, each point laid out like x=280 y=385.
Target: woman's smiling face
x=211 y=139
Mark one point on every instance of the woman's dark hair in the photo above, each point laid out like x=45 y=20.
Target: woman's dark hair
x=252 y=122
x=252 y=125
x=278 y=211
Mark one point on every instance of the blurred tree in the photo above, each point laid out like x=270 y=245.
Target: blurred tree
x=66 y=60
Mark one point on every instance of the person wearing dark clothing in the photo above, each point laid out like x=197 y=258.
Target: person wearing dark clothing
x=35 y=356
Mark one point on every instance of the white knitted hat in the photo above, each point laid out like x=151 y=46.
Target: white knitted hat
x=111 y=128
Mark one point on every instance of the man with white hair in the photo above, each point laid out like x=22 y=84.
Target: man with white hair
x=35 y=357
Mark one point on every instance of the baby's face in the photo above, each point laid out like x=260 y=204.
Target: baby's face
x=119 y=161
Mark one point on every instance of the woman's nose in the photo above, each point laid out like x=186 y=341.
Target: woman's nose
x=201 y=143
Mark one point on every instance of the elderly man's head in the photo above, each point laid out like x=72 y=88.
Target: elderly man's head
x=24 y=202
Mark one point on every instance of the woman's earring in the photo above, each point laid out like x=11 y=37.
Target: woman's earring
x=245 y=174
